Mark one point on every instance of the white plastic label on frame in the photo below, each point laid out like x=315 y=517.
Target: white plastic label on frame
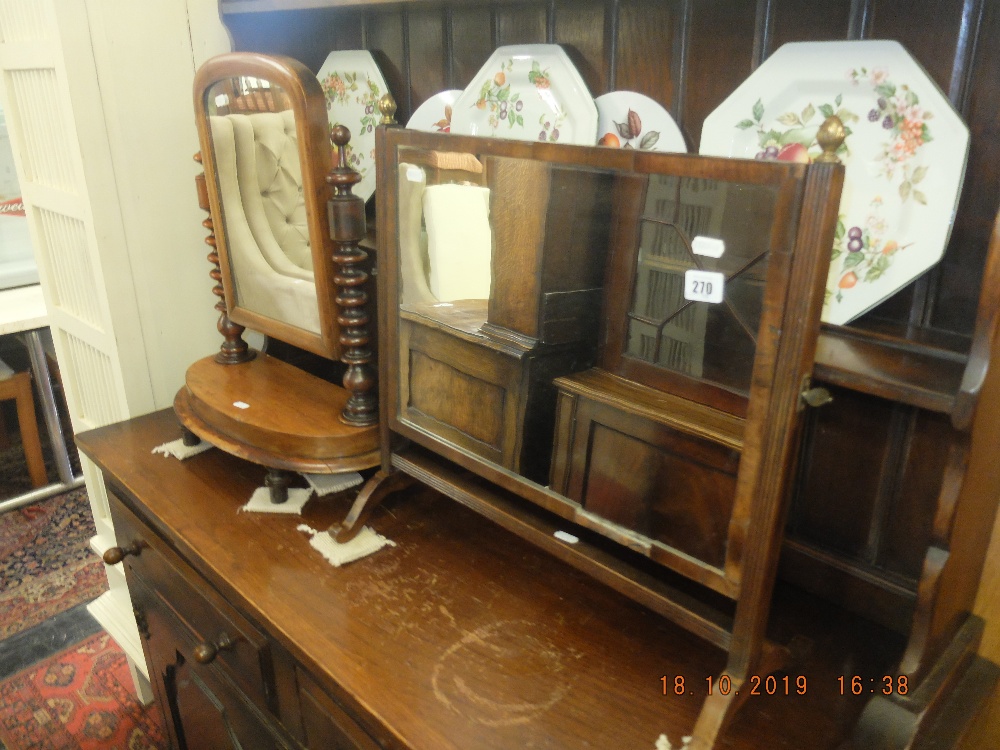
x=710 y=247
x=704 y=286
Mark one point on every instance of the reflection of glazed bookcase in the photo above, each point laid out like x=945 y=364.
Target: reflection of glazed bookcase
x=663 y=259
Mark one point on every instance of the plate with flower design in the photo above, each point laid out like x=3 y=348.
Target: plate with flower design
x=528 y=92
x=627 y=119
x=434 y=115
x=904 y=156
x=353 y=84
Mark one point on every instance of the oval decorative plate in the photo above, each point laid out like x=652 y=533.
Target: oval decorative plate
x=904 y=156
x=434 y=115
x=528 y=92
x=626 y=119
x=353 y=84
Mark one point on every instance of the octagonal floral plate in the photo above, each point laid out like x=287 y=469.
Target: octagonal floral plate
x=527 y=92
x=353 y=84
x=904 y=156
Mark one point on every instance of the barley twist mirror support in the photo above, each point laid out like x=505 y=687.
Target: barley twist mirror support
x=284 y=229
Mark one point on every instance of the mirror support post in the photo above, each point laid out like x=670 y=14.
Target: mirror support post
x=346 y=214
x=234 y=349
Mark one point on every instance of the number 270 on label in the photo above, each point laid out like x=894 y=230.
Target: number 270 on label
x=704 y=286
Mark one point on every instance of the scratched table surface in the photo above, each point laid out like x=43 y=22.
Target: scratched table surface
x=464 y=636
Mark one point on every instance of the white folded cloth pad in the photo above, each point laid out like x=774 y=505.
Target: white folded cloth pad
x=365 y=543
x=328 y=484
x=260 y=501
x=177 y=449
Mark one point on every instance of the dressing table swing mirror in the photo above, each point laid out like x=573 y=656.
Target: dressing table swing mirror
x=590 y=345
x=285 y=233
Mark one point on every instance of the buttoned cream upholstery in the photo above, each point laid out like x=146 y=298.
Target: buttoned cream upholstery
x=260 y=186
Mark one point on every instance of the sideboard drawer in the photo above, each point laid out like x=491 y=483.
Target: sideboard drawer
x=224 y=637
x=327 y=725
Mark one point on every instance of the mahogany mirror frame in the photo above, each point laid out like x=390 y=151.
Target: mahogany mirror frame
x=308 y=104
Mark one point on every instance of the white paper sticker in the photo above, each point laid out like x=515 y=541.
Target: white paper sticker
x=711 y=247
x=241 y=404
x=414 y=174
x=704 y=286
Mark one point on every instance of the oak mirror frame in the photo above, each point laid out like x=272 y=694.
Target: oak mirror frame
x=264 y=135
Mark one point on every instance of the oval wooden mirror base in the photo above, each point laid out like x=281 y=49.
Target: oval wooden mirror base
x=275 y=415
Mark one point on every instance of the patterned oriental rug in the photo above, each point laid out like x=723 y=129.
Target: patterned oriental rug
x=80 y=699
x=46 y=564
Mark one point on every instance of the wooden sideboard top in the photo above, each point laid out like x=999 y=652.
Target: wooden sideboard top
x=465 y=636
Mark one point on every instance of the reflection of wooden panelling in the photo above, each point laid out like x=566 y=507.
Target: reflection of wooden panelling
x=658 y=488
x=518 y=239
x=468 y=404
x=629 y=465
x=436 y=366
x=569 y=316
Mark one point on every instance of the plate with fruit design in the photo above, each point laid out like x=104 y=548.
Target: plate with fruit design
x=434 y=115
x=904 y=156
x=527 y=92
x=352 y=85
x=627 y=119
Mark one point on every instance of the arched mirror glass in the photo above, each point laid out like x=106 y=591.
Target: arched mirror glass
x=265 y=146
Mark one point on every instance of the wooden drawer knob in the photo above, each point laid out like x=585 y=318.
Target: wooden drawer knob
x=205 y=653
x=115 y=555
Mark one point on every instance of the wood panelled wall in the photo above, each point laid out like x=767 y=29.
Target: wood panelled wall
x=870 y=469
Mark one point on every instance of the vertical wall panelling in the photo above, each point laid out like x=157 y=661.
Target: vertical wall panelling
x=861 y=19
x=385 y=39
x=956 y=291
x=808 y=20
x=646 y=35
x=428 y=69
x=611 y=43
x=579 y=27
x=473 y=39
x=520 y=24
x=719 y=55
x=763 y=31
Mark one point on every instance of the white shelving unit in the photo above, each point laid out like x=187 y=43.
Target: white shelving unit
x=97 y=98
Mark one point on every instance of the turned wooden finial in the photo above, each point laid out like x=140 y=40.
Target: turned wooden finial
x=830 y=137
x=387 y=106
x=234 y=349
x=346 y=216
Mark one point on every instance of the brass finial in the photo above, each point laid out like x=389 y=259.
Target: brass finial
x=387 y=106
x=830 y=137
